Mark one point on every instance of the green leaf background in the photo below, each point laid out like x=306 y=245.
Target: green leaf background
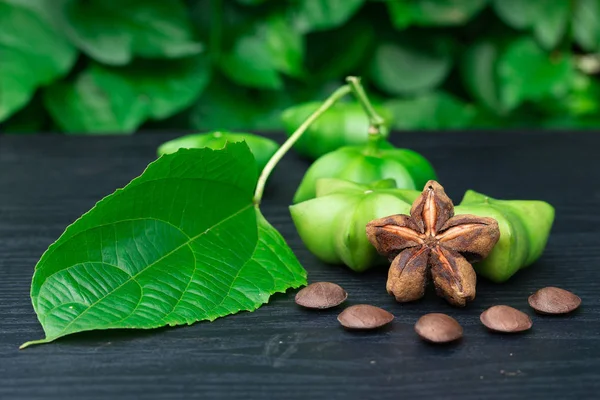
x=108 y=66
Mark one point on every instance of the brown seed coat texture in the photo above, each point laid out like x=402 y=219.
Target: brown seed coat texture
x=364 y=316
x=438 y=328
x=553 y=300
x=505 y=319
x=321 y=295
x=432 y=241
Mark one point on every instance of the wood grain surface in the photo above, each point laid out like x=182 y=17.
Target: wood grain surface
x=282 y=351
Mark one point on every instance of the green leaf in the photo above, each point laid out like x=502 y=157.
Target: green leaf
x=582 y=100
x=586 y=24
x=84 y=106
x=264 y=50
x=251 y=2
x=407 y=67
x=517 y=13
x=527 y=72
x=262 y=148
x=181 y=243
x=114 y=31
x=168 y=86
x=584 y=96
x=431 y=111
x=224 y=106
x=504 y=76
x=550 y=27
x=118 y=100
x=433 y=12
x=358 y=38
x=401 y=13
x=478 y=70
x=33 y=52
x=250 y=63
x=285 y=44
x=548 y=18
x=219 y=23
x=314 y=15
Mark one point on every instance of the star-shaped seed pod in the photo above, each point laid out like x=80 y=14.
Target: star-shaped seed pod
x=433 y=242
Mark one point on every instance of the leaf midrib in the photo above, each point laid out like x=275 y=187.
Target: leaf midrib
x=122 y=192
x=35 y=305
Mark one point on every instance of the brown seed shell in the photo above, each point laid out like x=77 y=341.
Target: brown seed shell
x=438 y=328
x=364 y=316
x=553 y=300
x=505 y=319
x=432 y=242
x=321 y=295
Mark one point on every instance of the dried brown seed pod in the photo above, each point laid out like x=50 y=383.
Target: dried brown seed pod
x=505 y=319
x=321 y=295
x=364 y=316
x=553 y=300
x=432 y=241
x=438 y=328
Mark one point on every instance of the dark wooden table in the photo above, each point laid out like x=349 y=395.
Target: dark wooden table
x=281 y=351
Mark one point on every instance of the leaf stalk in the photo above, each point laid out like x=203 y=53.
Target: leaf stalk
x=262 y=180
x=376 y=122
x=377 y=129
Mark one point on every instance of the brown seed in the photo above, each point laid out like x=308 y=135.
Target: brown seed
x=553 y=300
x=438 y=328
x=364 y=316
x=321 y=295
x=505 y=319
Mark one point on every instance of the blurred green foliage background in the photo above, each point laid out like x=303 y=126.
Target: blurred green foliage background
x=117 y=66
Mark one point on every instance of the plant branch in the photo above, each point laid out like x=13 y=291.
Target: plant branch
x=262 y=180
x=376 y=122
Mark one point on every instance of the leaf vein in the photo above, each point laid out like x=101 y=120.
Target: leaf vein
x=154 y=263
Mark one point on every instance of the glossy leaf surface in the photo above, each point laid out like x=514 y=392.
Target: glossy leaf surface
x=547 y=18
x=404 y=13
x=179 y=244
x=324 y=14
x=114 y=31
x=119 y=99
x=33 y=52
x=526 y=72
x=434 y=110
x=405 y=67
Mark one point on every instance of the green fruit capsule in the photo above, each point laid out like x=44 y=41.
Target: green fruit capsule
x=524 y=230
x=261 y=147
x=361 y=164
x=344 y=124
x=332 y=225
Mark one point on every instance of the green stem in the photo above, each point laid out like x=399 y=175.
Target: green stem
x=376 y=122
x=262 y=180
x=372 y=147
x=34 y=342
